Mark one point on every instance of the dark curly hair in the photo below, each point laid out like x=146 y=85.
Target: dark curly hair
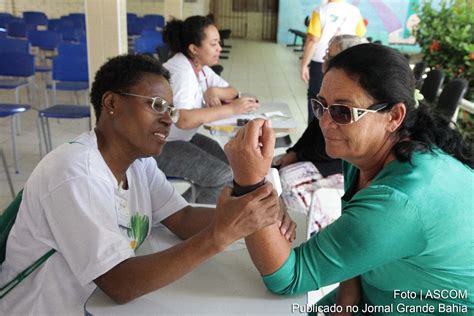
x=178 y=34
x=120 y=73
x=386 y=76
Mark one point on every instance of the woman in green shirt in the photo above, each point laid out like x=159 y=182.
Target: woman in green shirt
x=404 y=241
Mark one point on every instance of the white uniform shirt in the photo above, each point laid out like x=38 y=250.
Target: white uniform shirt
x=72 y=203
x=335 y=18
x=188 y=89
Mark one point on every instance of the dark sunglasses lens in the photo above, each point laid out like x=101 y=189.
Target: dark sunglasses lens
x=340 y=114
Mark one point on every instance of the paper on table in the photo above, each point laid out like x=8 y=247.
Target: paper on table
x=275 y=113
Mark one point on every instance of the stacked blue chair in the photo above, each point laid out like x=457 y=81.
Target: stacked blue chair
x=35 y=18
x=18 y=29
x=70 y=72
x=19 y=67
x=79 y=82
x=149 y=42
x=8 y=18
x=45 y=41
x=154 y=21
x=70 y=33
x=53 y=24
x=135 y=27
x=11 y=110
x=14 y=45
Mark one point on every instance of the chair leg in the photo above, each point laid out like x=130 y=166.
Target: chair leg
x=40 y=135
x=50 y=142
x=7 y=172
x=15 y=157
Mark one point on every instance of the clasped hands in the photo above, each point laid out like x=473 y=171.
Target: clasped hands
x=250 y=155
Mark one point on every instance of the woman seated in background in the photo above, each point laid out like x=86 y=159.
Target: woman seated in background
x=405 y=230
x=310 y=149
x=200 y=96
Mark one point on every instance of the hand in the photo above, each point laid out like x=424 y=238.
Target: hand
x=244 y=105
x=250 y=152
x=211 y=97
x=238 y=217
x=348 y=294
x=286 y=224
x=305 y=73
x=287 y=159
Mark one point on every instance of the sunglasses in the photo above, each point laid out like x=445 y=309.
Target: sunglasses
x=157 y=104
x=343 y=114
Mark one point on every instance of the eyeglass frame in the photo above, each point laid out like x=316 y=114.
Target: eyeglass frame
x=356 y=113
x=172 y=111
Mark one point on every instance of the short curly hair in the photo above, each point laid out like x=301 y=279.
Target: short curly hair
x=120 y=73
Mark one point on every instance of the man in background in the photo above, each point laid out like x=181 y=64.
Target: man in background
x=333 y=18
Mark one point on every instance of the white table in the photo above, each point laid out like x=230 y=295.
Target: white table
x=280 y=123
x=227 y=284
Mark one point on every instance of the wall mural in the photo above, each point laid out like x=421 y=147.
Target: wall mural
x=389 y=21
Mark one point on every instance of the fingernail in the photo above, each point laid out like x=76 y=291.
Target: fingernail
x=269 y=123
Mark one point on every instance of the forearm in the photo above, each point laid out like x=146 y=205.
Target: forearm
x=268 y=249
x=189 y=119
x=192 y=221
x=348 y=294
x=228 y=93
x=137 y=276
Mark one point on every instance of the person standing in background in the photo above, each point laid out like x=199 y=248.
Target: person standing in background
x=332 y=18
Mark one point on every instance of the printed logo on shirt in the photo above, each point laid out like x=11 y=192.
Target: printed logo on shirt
x=138 y=230
x=333 y=18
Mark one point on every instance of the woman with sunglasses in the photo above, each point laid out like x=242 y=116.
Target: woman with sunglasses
x=200 y=96
x=310 y=150
x=405 y=230
x=90 y=203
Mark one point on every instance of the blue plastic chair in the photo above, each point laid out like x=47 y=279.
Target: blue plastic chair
x=148 y=45
x=72 y=49
x=35 y=18
x=5 y=19
x=21 y=66
x=135 y=27
x=60 y=111
x=70 y=33
x=45 y=41
x=14 y=45
x=154 y=21
x=11 y=110
x=18 y=29
x=70 y=73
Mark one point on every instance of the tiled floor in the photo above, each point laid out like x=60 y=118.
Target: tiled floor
x=268 y=70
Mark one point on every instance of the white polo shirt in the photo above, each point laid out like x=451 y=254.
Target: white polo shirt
x=331 y=19
x=72 y=203
x=188 y=89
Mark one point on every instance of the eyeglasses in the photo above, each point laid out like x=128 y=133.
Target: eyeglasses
x=343 y=114
x=158 y=104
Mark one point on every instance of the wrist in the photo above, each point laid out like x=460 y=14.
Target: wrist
x=240 y=189
x=218 y=240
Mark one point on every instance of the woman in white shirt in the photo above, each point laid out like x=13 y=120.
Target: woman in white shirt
x=201 y=96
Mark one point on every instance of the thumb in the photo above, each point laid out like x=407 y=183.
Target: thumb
x=268 y=139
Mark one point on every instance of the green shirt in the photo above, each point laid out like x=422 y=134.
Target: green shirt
x=411 y=229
